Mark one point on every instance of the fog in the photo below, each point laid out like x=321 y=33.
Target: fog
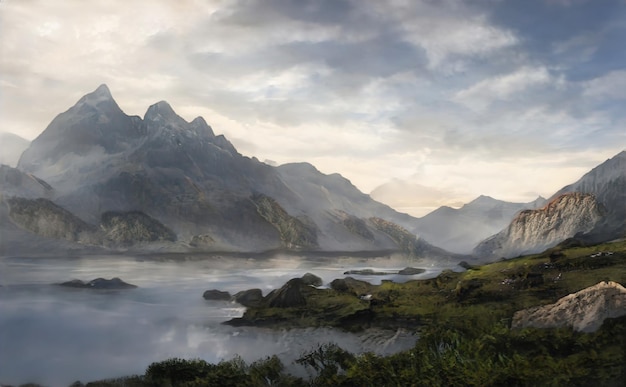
x=55 y=335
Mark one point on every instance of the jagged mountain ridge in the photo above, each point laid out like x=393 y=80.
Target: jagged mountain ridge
x=194 y=182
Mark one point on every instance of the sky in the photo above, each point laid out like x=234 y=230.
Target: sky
x=423 y=103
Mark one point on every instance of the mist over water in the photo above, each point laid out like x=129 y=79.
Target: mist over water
x=55 y=335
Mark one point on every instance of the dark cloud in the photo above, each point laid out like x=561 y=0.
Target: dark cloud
x=597 y=26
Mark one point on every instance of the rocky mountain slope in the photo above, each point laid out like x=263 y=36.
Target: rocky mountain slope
x=460 y=230
x=592 y=209
x=196 y=185
x=532 y=231
x=585 y=310
x=607 y=182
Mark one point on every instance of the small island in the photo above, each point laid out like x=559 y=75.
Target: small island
x=405 y=271
x=99 y=284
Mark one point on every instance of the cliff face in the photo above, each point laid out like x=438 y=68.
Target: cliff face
x=607 y=182
x=584 y=310
x=532 y=231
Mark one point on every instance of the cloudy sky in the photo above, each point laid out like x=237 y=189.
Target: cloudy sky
x=441 y=100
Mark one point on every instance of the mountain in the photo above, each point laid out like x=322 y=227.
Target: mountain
x=11 y=148
x=532 y=231
x=593 y=209
x=402 y=194
x=29 y=221
x=607 y=182
x=193 y=190
x=459 y=230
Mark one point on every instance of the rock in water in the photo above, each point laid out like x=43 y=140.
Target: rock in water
x=584 y=310
x=411 y=271
x=217 y=295
x=99 y=283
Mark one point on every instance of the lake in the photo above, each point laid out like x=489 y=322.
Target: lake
x=55 y=335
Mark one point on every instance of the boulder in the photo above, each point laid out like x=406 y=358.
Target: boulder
x=290 y=295
x=351 y=285
x=249 y=298
x=411 y=271
x=216 y=295
x=584 y=310
x=312 y=280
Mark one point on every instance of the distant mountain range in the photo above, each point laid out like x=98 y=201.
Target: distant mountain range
x=11 y=148
x=97 y=179
x=460 y=230
x=159 y=182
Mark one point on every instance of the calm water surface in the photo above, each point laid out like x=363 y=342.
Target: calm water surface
x=55 y=335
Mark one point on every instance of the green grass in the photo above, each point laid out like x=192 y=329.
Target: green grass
x=490 y=293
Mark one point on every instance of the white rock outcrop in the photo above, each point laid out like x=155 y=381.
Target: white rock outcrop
x=585 y=310
x=532 y=231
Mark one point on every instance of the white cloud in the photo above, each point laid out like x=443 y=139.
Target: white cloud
x=480 y=95
x=449 y=31
x=607 y=86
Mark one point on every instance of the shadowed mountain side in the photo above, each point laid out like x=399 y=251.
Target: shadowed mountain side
x=198 y=185
x=14 y=182
x=338 y=208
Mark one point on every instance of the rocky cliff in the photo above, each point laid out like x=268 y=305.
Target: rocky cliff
x=584 y=310
x=607 y=182
x=44 y=218
x=535 y=230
